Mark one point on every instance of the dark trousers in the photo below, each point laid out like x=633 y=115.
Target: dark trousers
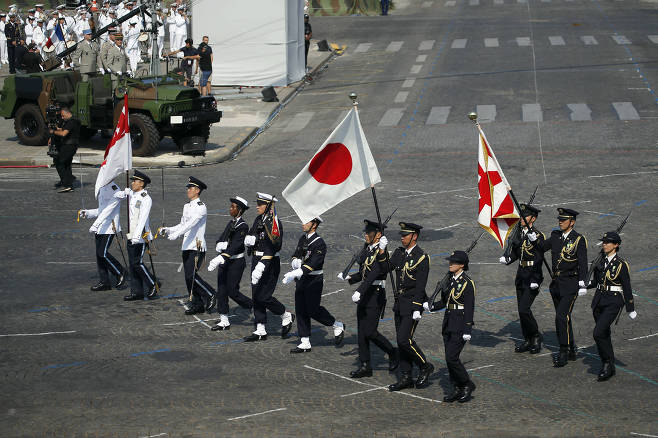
x=454 y=344
x=11 y=57
x=308 y=294
x=262 y=293
x=384 y=4
x=105 y=262
x=410 y=352
x=228 y=285
x=63 y=162
x=307 y=44
x=140 y=277
x=524 y=299
x=368 y=312
x=604 y=316
x=564 y=292
x=200 y=290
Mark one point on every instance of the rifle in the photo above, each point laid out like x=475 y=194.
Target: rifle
x=357 y=256
x=516 y=232
x=601 y=254
x=118 y=240
x=148 y=250
x=442 y=285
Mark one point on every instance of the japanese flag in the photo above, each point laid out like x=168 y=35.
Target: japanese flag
x=342 y=167
x=118 y=154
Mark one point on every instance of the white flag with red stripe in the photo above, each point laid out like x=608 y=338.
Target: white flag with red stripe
x=496 y=211
x=342 y=167
x=118 y=154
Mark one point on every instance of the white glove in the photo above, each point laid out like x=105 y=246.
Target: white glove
x=356 y=296
x=581 y=284
x=83 y=214
x=163 y=231
x=466 y=337
x=534 y=286
x=632 y=315
x=221 y=246
x=122 y=194
x=102 y=70
x=257 y=273
x=212 y=265
x=134 y=240
x=93 y=229
x=503 y=260
x=383 y=241
x=119 y=73
x=172 y=236
x=426 y=306
x=292 y=275
x=340 y=277
x=532 y=236
x=416 y=315
x=296 y=263
x=249 y=240
x=582 y=292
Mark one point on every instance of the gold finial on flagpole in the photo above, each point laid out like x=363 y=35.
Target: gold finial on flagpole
x=353 y=97
x=473 y=116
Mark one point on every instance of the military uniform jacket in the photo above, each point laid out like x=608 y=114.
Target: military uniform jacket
x=192 y=225
x=411 y=271
x=11 y=32
x=116 y=60
x=460 y=305
x=140 y=209
x=108 y=210
x=370 y=269
x=568 y=256
x=86 y=55
x=102 y=55
x=530 y=257
x=267 y=245
x=311 y=251
x=234 y=233
x=613 y=284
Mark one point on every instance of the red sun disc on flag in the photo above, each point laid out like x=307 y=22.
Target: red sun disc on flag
x=332 y=165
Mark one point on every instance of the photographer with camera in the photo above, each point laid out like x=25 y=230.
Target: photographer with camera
x=62 y=145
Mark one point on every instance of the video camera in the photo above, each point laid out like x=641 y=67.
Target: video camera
x=54 y=116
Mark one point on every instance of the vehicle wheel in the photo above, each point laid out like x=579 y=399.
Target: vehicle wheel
x=144 y=135
x=87 y=133
x=201 y=131
x=30 y=125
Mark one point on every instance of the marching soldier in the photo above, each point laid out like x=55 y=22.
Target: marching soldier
x=105 y=227
x=231 y=263
x=307 y=264
x=264 y=241
x=459 y=301
x=613 y=290
x=412 y=266
x=569 y=263
x=116 y=60
x=86 y=56
x=370 y=299
x=193 y=229
x=139 y=210
x=528 y=278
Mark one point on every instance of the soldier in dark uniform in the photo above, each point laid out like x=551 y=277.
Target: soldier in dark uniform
x=12 y=32
x=307 y=264
x=264 y=241
x=308 y=34
x=569 y=263
x=231 y=263
x=412 y=266
x=613 y=290
x=528 y=278
x=459 y=301
x=371 y=300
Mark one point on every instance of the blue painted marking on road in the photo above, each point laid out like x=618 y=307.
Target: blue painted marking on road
x=386 y=319
x=641 y=202
x=493 y=300
x=141 y=353
x=47 y=309
x=63 y=365
x=606 y=215
x=647 y=269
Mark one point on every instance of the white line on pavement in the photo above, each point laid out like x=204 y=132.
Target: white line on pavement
x=479 y=368
x=259 y=413
x=615 y=174
x=334 y=292
x=449 y=226
x=642 y=337
x=364 y=391
x=644 y=434
x=153 y=436
x=37 y=334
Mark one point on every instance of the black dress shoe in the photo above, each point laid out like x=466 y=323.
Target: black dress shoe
x=220 y=327
x=363 y=371
x=572 y=352
x=536 y=344
x=122 y=281
x=194 y=310
x=297 y=350
x=457 y=393
x=523 y=347
x=254 y=337
x=394 y=359
x=133 y=297
x=467 y=391
x=100 y=287
x=405 y=381
x=339 y=339
x=286 y=328
x=560 y=359
x=424 y=376
x=607 y=371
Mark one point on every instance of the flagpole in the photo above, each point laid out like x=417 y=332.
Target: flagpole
x=474 y=117
x=128 y=203
x=355 y=104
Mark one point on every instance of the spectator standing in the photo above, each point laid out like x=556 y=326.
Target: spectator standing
x=190 y=54
x=68 y=137
x=205 y=59
x=308 y=34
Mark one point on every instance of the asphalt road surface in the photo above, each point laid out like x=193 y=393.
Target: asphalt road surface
x=565 y=92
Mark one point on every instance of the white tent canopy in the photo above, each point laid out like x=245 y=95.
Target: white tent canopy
x=254 y=42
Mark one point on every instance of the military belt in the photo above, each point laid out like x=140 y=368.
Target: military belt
x=261 y=254
x=380 y=283
x=565 y=273
x=236 y=256
x=320 y=272
x=525 y=264
x=609 y=288
x=455 y=307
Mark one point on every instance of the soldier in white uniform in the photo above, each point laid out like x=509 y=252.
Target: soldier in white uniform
x=40 y=14
x=181 y=27
x=86 y=56
x=171 y=27
x=29 y=30
x=105 y=227
x=39 y=35
x=132 y=45
x=3 y=40
x=140 y=207
x=161 y=19
x=193 y=229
